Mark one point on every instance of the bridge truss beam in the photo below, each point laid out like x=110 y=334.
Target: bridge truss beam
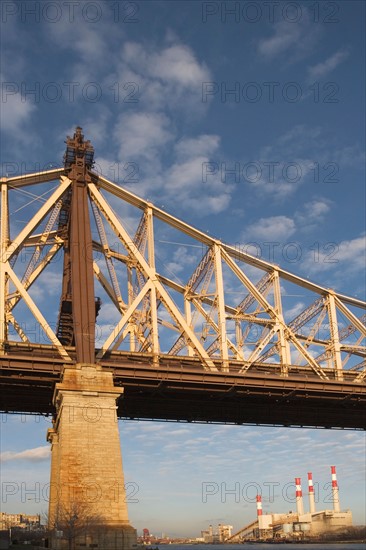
x=226 y=313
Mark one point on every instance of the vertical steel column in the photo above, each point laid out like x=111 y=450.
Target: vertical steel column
x=78 y=309
x=221 y=321
x=153 y=297
x=285 y=354
x=334 y=337
x=82 y=274
x=238 y=336
x=131 y=326
x=188 y=314
x=4 y=239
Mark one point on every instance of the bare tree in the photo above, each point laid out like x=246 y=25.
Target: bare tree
x=74 y=521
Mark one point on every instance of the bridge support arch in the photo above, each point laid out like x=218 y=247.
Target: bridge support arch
x=87 y=505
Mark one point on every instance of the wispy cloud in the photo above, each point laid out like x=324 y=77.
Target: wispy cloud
x=320 y=70
x=291 y=161
x=182 y=257
x=170 y=166
x=346 y=258
x=170 y=77
x=295 y=39
x=15 y=112
x=37 y=454
x=313 y=213
x=142 y=135
x=271 y=228
x=284 y=36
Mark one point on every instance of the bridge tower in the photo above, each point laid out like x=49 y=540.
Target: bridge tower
x=87 y=497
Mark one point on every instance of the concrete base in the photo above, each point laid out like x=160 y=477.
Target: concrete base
x=87 y=506
x=100 y=537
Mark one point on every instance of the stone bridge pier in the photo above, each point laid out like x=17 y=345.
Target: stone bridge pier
x=87 y=506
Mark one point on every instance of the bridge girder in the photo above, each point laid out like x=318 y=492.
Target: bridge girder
x=225 y=312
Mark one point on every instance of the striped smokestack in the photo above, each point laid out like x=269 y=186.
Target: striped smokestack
x=299 y=502
x=335 y=491
x=311 y=493
x=259 y=506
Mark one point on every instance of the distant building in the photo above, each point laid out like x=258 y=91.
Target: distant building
x=224 y=532
x=19 y=520
x=211 y=536
x=207 y=535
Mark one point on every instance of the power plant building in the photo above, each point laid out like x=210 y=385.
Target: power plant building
x=221 y=534
x=300 y=524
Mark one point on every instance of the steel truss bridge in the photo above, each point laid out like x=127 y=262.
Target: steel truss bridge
x=192 y=328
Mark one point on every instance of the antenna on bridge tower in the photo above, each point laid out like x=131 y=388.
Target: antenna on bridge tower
x=77 y=148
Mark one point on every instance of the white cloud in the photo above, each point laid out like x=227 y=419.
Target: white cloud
x=347 y=257
x=35 y=455
x=183 y=183
x=148 y=138
x=291 y=161
x=182 y=176
x=182 y=258
x=321 y=70
x=317 y=208
x=213 y=205
x=15 y=111
x=294 y=311
x=169 y=81
x=142 y=135
x=95 y=127
x=351 y=156
x=285 y=35
x=201 y=145
x=89 y=41
x=286 y=163
x=272 y=228
x=313 y=213
x=298 y=136
x=174 y=64
x=178 y=64
x=171 y=77
x=295 y=39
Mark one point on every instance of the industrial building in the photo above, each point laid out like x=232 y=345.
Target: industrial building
x=221 y=534
x=298 y=525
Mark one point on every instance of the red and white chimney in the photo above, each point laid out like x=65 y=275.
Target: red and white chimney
x=311 y=493
x=259 y=506
x=299 y=501
x=335 y=490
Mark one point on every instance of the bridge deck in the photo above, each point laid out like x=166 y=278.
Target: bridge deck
x=180 y=389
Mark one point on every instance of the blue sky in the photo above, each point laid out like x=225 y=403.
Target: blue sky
x=248 y=125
